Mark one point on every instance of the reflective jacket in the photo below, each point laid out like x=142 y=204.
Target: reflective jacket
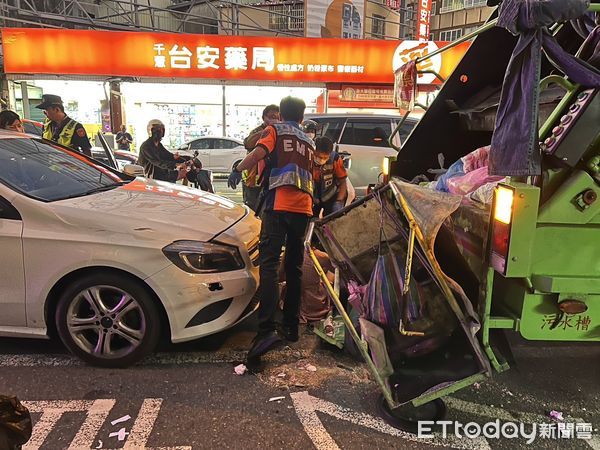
x=326 y=187
x=291 y=162
x=66 y=134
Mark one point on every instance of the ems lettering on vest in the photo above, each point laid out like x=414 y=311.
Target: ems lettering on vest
x=289 y=145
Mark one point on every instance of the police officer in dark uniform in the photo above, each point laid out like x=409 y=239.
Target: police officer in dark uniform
x=288 y=186
x=60 y=128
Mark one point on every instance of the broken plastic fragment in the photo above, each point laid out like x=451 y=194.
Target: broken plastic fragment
x=120 y=435
x=121 y=419
x=276 y=399
x=556 y=415
x=240 y=369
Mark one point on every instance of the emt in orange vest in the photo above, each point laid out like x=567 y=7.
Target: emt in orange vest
x=288 y=187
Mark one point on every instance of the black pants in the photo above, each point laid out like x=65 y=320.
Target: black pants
x=251 y=195
x=279 y=229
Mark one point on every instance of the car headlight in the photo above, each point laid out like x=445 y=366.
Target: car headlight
x=203 y=257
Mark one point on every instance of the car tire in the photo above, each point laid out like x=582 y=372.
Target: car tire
x=108 y=320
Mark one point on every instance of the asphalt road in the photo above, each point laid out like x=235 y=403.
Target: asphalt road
x=221 y=188
x=187 y=396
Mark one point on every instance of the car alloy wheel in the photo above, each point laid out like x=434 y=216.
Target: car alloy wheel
x=106 y=321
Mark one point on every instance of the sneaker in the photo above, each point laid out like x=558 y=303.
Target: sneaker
x=290 y=333
x=263 y=342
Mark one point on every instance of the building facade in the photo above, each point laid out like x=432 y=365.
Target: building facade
x=452 y=19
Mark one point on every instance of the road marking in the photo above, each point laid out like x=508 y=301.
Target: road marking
x=504 y=415
x=97 y=412
x=307 y=406
x=52 y=411
x=44 y=360
x=140 y=432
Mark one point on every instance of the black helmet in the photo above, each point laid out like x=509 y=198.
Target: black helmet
x=310 y=126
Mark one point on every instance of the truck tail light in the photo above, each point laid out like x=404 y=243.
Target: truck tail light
x=386 y=169
x=501 y=227
x=504 y=205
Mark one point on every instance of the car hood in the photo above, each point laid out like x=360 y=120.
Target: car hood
x=148 y=209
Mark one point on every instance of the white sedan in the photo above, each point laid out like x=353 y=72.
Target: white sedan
x=217 y=154
x=110 y=263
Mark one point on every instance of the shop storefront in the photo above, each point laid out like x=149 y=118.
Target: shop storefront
x=204 y=84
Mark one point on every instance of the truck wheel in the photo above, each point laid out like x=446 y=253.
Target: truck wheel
x=108 y=320
x=407 y=417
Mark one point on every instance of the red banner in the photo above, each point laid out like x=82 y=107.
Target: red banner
x=196 y=56
x=423 y=18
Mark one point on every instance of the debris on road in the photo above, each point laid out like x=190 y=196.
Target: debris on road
x=556 y=415
x=121 y=420
x=120 y=435
x=276 y=399
x=240 y=369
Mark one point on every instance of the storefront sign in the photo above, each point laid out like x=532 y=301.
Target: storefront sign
x=366 y=94
x=335 y=18
x=392 y=4
x=423 y=17
x=222 y=58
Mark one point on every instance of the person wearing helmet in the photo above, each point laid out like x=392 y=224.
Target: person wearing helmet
x=310 y=127
x=157 y=161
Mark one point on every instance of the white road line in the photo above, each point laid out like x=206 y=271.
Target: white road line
x=306 y=412
x=96 y=416
x=307 y=406
x=43 y=360
x=143 y=425
x=42 y=429
x=52 y=411
x=504 y=415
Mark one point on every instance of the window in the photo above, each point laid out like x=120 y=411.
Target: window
x=475 y=3
x=367 y=132
x=378 y=27
x=286 y=17
x=433 y=8
x=224 y=144
x=406 y=129
x=451 y=35
x=8 y=211
x=48 y=172
x=330 y=127
x=451 y=5
x=202 y=144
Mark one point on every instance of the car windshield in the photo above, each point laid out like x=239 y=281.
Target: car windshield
x=49 y=173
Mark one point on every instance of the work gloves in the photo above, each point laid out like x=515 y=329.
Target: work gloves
x=234 y=179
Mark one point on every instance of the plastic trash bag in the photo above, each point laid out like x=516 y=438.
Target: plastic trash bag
x=471 y=181
x=15 y=423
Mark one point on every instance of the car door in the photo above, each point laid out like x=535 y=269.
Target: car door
x=12 y=272
x=227 y=152
x=366 y=140
x=203 y=146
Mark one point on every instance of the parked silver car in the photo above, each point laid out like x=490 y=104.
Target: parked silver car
x=365 y=138
x=217 y=154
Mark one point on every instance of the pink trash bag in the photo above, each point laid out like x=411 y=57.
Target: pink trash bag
x=469 y=182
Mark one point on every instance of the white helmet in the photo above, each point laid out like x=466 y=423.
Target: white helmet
x=152 y=123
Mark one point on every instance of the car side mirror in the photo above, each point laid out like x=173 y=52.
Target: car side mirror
x=133 y=170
